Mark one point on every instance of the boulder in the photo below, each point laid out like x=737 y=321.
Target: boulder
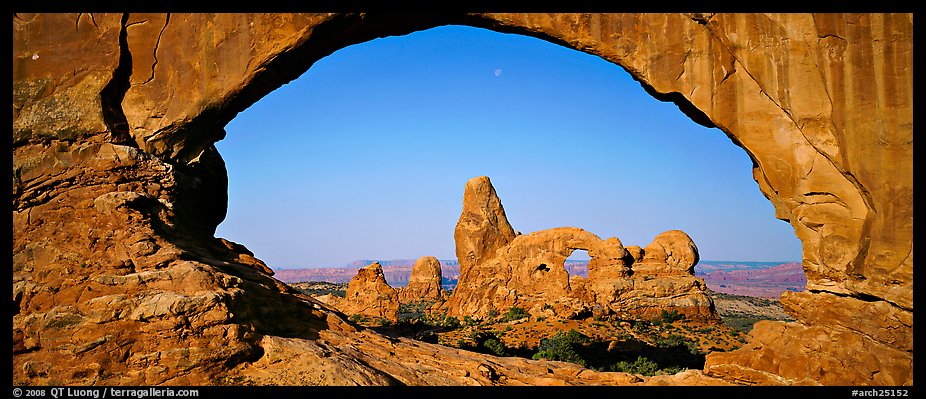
x=672 y=253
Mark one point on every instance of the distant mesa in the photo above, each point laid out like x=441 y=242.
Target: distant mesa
x=397 y=272
x=756 y=279
x=768 y=282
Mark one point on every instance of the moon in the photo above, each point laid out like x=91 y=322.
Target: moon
x=498 y=72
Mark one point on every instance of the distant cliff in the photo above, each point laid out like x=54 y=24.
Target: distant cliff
x=765 y=282
x=396 y=271
x=759 y=279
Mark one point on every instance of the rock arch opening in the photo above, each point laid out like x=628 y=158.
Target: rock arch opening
x=390 y=116
x=406 y=156
x=577 y=263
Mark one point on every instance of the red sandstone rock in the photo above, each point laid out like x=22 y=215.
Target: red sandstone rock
x=529 y=273
x=369 y=295
x=483 y=227
x=635 y=252
x=424 y=284
x=672 y=253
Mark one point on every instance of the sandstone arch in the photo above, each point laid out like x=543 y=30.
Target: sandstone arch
x=131 y=104
x=528 y=271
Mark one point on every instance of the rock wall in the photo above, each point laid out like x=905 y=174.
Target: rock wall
x=123 y=110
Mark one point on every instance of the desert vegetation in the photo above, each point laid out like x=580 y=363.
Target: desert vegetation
x=666 y=344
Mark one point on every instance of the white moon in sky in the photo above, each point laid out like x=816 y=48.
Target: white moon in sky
x=498 y=72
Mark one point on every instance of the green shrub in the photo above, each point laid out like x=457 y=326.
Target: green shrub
x=495 y=346
x=484 y=342
x=641 y=366
x=451 y=322
x=515 y=313
x=416 y=310
x=562 y=347
x=705 y=330
x=675 y=340
x=640 y=327
x=670 y=341
x=624 y=336
x=670 y=317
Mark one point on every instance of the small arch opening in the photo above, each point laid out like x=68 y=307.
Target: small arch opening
x=577 y=263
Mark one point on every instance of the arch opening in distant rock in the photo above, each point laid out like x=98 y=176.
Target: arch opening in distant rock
x=577 y=263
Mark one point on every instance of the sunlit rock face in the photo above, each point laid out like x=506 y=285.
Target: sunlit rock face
x=369 y=295
x=663 y=280
x=529 y=272
x=483 y=227
x=117 y=189
x=672 y=253
x=424 y=283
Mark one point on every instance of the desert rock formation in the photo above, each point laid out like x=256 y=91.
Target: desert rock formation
x=529 y=272
x=482 y=228
x=672 y=253
x=663 y=280
x=424 y=284
x=369 y=295
x=117 y=189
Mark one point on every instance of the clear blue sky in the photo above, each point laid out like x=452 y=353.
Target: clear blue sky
x=366 y=155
